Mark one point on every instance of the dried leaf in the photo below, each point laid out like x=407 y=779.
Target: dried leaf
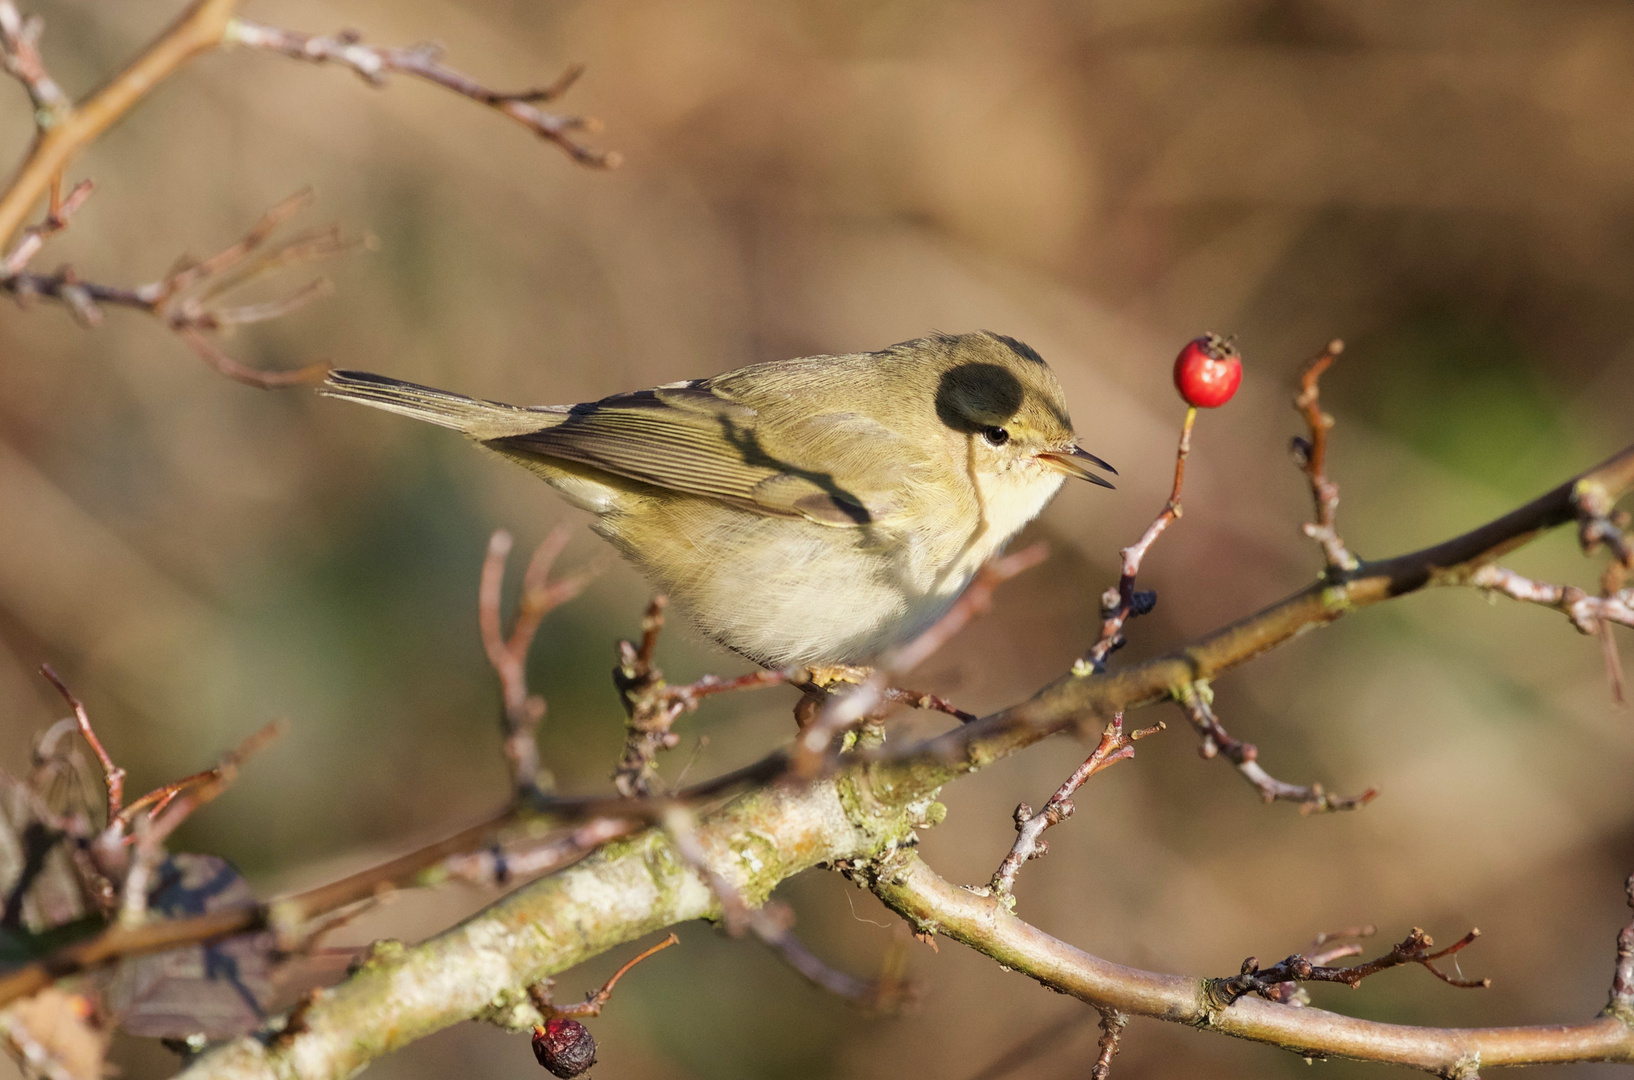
x=218 y=990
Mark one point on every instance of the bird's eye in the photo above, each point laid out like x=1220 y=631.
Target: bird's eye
x=996 y=436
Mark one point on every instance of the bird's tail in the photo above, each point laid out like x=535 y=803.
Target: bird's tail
x=479 y=419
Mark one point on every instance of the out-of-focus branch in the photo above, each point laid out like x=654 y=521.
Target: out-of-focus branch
x=113 y=776
x=197 y=30
x=984 y=923
x=1586 y=611
x=374 y=63
x=1312 y=455
x=20 y=58
x=187 y=299
x=1195 y=701
x=508 y=653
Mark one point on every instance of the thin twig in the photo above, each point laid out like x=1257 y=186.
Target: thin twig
x=374 y=63
x=1195 y=702
x=1121 y=602
x=1414 y=949
x=1114 y=746
x=113 y=776
x=1312 y=454
x=596 y=1000
x=183 y=300
x=651 y=705
x=508 y=653
x=1621 y=1003
x=197 y=30
x=1587 y=612
x=1112 y=1025
x=20 y=58
x=58 y=211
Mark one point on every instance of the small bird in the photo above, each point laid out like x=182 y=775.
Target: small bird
x=803 y=512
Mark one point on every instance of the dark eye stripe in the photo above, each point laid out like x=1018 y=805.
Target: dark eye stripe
x=996 y=436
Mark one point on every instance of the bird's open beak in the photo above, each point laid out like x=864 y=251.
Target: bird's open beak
x=1076 y=462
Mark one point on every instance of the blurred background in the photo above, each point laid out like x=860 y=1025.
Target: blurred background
x=1446 y=186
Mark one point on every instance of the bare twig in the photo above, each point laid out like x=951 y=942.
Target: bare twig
x=20 y=58
x=1121 y=602
x=1587 y=612
x=1195 y=700
x=1621 y=1003
x=1414 y=949
x=651 y=705
x=423 y=61
x=1611 y=583
x=1114 y=746
x=509 y=653
x=1112 y=1024
x=197 y=30
x=596 y=1000
x=58 y=211
x=1312 y=453
x=184 y=300
x=112 y=775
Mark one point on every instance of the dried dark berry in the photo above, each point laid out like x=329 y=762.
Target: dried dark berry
x=565 y=1047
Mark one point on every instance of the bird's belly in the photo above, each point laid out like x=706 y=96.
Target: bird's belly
x=783 y=591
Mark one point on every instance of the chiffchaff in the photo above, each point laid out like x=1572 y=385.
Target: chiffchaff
x=811 y=511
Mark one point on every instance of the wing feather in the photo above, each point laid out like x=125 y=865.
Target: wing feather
x=689 y=439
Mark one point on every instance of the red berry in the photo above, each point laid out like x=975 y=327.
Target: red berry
x=565 y=1047
x=1208 y=371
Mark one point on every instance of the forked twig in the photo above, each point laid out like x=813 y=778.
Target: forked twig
x=112 y=775
x=1414 y=949
x=1196 y=702
x=1114 y=746
x=186 y=300
x=1311 y=453
x=423 y=61
x=508 y=653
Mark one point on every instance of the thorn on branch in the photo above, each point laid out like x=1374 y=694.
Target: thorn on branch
x=1268 y=982
x=186 y=299
x=1195 y=701
x=424 y=61
x=1311 y=454
x=1114 y=746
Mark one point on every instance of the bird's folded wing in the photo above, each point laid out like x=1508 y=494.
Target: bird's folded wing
x=689 y=439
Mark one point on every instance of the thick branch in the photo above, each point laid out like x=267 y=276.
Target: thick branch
x=482 y=967
x=983 y=923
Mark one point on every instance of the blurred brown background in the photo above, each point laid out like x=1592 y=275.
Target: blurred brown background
x=1445 y=185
